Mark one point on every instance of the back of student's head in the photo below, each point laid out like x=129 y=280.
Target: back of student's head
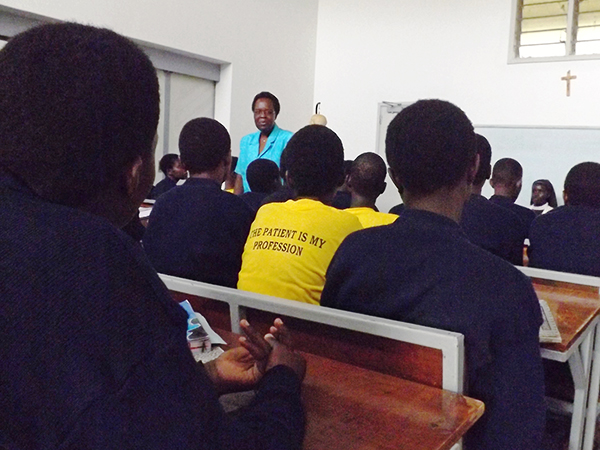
x=484 y=150
x=78 y=105
x=263 y=176
x=429 y=145
x=314 y=158
x=167 y=162
x=582 y=185
x=507 y=172
x=203 y=143
x=367 y=175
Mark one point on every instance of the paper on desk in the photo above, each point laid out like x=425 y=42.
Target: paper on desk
x=214 y=337
x=548 y=330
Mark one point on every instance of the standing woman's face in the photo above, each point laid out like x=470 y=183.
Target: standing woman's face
x=539 y=195
x=264 y=115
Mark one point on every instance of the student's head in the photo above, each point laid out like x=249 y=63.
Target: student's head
x=263 y=176
x=542 y=192
x=430 y=145
x=171 y=166
x=79 y=109
x=507 y=176
x=205 y=146
x=367 y=176
x=582 y=185
x=314 y=158
x=265 y=107
x=484 y=150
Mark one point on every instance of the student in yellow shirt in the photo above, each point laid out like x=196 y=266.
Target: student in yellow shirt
x=290 y=244
x=366 y=182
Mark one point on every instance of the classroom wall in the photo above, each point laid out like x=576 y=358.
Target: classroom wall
x=402 y=50
x=269 y=43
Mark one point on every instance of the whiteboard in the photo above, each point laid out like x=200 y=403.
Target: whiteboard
x=544 y=152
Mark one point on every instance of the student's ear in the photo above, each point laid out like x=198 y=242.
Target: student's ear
x=566 y=197
x=472 y=171
x=348 y=182
x=133 y=176
x=382 y=188
x=396 y=180
x=288 y=180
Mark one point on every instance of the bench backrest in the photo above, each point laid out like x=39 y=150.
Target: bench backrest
x=426 y=355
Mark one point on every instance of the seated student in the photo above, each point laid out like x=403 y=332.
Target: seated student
x=543 y=198
x=197 y=230
x=263 y=179
x=342 y=198
x=231 y=179
x=507 y=180
x=94 y=353
x=422 y=269
x=170 y=165
x=366 y=182
x=290 y=244
x=567 y=238
x=487 y=225
x=285 y=192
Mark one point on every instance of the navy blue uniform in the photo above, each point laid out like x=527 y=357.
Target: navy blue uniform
x=526 y=215
x=254 y=199
x=567 y=239
x=198 y=231
x=93 y=349
x=494 y=229
x=423 y=270
x=161 y=187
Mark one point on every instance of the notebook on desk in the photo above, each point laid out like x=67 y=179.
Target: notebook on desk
x=548 y=330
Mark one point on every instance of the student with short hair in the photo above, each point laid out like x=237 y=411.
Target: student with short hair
x=567 y=239
x=197 y=230
x=263 y=178
x=291 y=244
x=366 y=182
x=94 y=352
x=507 y=180
x=170 y=166
x=487 y=225
x=422 y=269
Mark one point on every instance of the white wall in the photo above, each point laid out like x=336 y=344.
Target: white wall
x=269 y=43
x=402 y=50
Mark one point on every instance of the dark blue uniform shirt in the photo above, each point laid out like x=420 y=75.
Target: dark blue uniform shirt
x=567 y=239
x=494 y=229
x=423 y=270
x=93 y=349
x=198 y=231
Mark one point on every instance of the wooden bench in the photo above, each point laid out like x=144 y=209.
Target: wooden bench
x=413 y=352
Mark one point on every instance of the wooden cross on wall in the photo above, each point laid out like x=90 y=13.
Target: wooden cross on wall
x=568 y=79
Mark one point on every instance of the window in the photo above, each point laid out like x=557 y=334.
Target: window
x=556 y=29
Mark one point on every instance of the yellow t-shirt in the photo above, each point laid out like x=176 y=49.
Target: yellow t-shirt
x=290 y=246
x=370 y=218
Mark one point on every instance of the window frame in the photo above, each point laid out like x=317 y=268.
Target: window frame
x=513 y=50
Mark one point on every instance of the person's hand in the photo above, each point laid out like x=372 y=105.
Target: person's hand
x=280 y=340
x=240 y=368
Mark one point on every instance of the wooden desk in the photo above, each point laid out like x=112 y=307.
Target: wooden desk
x=577 y=314
x=348 y=407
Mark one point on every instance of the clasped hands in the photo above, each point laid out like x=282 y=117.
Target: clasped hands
x=240 y=368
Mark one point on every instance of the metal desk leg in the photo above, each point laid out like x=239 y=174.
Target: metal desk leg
x=579 y=363
x=592 y=405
